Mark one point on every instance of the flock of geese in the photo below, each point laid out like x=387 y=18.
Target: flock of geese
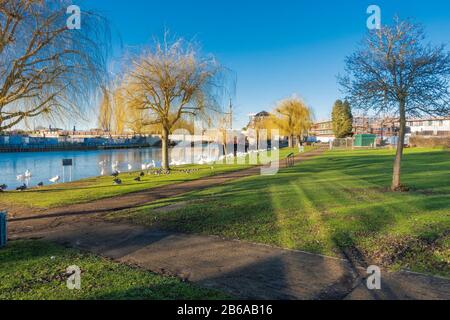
x=26 y=176
x=153 y=165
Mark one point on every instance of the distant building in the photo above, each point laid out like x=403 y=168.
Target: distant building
x=255 y=118
x=323 y=131
x=385 y=128
x=382 y=127
x=430 y=126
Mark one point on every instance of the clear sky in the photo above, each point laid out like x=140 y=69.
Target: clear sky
x=276 y=48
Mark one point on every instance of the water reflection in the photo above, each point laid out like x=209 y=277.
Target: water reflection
x=47 y=168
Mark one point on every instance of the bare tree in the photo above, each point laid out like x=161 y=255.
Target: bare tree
x=172 y=81
x=45 y=67
x=395 y=72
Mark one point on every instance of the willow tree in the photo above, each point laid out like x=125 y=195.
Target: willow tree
x=45 y=67
x=171 y=81
x=293 y=118
x=120 y=111
x=105 y=116
x=264 y=127
x=394 y=72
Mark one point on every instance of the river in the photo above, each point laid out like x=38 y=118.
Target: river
x=45 y=165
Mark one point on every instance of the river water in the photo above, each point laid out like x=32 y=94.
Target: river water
x=46 y=165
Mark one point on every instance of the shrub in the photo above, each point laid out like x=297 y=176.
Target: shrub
x=429 y=142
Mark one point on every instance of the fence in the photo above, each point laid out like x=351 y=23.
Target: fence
x=26 y=143
x=429 y=142
x=345 y=143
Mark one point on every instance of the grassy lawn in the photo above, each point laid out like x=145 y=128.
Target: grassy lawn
x=37 y=270
x=102 y=187
x=338 y=200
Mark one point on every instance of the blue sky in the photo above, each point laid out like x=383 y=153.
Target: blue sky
x=276 y=48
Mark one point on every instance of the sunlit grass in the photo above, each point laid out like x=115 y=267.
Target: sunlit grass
x=323 y=205
x=35 y=270
x=102 y=187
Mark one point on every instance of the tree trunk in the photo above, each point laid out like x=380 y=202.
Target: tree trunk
x=396 y=181
x=165 y=149
x=291 y=141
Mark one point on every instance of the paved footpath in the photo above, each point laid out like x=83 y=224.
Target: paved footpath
x=244 y=270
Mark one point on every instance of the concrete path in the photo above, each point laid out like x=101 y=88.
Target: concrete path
x=243 y=270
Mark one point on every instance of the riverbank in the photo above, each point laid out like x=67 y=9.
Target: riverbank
x=96 y=188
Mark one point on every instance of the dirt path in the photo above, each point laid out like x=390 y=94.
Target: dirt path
x=244 y=270
x=26 y=220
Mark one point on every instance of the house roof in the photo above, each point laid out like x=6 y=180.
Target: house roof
x=262 y=114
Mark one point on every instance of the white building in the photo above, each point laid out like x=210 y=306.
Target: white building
x=430 y=126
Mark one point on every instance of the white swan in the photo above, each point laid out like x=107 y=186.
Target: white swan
x=54 y=179
x=177 y=163
x=27 y=174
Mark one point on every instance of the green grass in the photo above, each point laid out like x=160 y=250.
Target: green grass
x=35 y=270
x=339 y=200
x=101 y=187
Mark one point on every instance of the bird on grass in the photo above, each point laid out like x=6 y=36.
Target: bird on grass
x=115 y=174
x=137 y=179
x=54 y=179
x=22 y=187
x=142 y=174
x=117 y=182
x=40 y=184
x=3 y=187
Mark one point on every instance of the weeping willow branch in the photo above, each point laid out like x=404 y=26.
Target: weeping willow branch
x=45 y=68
